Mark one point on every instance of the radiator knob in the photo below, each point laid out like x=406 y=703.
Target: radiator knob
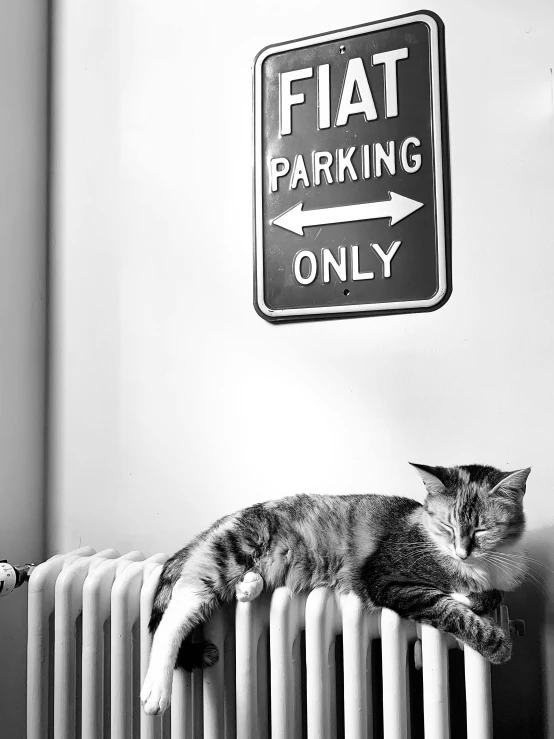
x=12 y=577
x=517 y=627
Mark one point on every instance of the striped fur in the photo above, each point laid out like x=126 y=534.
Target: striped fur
x=392 y=552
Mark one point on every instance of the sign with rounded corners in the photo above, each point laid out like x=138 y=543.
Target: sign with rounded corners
x=351 y=178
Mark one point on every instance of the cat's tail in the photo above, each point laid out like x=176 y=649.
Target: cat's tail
x=191 y=655
x=196 y=655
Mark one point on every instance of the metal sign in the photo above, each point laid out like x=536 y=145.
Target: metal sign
x=351 y=175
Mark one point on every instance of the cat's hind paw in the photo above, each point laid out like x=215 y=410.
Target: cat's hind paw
x=249 y=587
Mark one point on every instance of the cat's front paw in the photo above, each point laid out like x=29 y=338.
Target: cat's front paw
x=496 y=646
x=249 y=587
x=502 y=651
x=155 y=695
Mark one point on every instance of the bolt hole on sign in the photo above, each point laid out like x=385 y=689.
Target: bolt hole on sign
x=351 y=180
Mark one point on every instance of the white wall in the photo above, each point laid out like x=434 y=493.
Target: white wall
x=173 y=402
x=23 y=139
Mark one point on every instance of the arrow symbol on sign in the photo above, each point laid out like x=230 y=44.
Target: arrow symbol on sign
x=397 y=207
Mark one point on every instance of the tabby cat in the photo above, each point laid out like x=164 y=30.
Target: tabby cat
x=442 y=563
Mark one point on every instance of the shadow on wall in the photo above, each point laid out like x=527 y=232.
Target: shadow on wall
x=523 y=689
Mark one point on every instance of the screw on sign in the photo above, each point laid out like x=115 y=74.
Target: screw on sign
x=351 y=172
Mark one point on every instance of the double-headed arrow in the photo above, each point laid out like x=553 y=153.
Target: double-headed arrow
x=396 y=208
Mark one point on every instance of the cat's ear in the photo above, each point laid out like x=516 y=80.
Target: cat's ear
x=430 y=477
x=512 y=484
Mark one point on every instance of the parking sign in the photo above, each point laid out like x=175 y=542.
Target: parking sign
x=351 y=172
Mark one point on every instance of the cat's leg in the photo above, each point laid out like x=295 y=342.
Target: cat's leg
x=249 y=587
x=179 y=618
x=432 y=606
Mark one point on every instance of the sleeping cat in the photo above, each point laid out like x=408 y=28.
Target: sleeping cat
x=442 y=563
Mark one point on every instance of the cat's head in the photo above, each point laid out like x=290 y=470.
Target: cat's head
x=473 y=509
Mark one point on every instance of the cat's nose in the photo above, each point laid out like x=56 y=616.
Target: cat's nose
x=463 y=545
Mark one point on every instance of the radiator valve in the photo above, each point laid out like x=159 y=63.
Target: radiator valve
x=12 y=576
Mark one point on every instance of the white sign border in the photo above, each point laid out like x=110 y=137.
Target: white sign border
x=336 y=310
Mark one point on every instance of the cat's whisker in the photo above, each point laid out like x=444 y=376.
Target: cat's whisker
x=414 y=552
x=539 y=585
x=523 y=570
x=519 y=555
x=512 y=562
x=426 y=554
x=501 y=564
x=523 y=567
x=503 y=567
x=423 y=550
x=417 y=549
x=518 y=566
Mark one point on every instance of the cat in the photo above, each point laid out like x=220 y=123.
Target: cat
x=444 y=562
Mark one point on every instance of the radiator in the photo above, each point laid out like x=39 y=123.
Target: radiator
x=280 y=673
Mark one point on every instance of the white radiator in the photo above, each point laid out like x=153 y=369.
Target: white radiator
x=88 y=648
